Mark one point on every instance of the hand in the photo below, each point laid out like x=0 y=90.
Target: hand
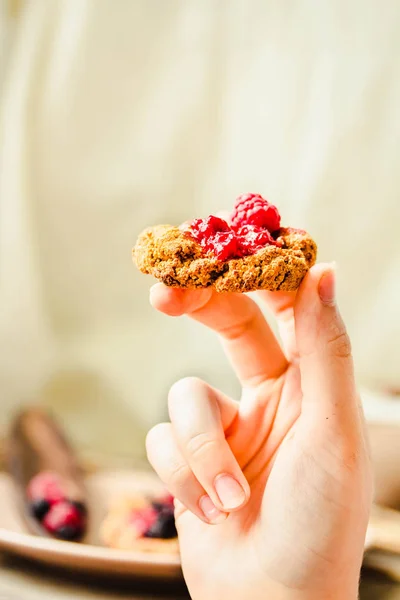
x=272 y=493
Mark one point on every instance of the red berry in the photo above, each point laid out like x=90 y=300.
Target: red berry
x=143 y=519
x=215 y=235
x=252 y=239
x=168 y=499
x=165 y=500
x=253 y=209
x=203 y=229
x=225 y=245
x=63 y=514
x=46 y=486
x=252 y=221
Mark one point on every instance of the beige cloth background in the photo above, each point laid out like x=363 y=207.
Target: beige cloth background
x=117 y=115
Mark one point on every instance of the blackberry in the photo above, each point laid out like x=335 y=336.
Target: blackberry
x=39 y=508
x=163 y=527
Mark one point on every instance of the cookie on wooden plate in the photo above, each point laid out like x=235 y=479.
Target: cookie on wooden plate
x=140 y=523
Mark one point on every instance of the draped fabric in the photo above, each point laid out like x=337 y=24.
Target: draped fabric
x=118 y=115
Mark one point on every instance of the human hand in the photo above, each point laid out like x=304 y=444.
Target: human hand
x=272 y=493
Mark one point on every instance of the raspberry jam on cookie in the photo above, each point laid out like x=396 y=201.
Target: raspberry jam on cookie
x=253 y=220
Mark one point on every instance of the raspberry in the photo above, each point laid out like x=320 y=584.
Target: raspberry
x=45 y=486
x=168 y=499
x=203 y=229
x=225 y=245
x=155 y=521
x=143 y=519
x=215 y=235
x=253 y=238
x=64 y=515
x=252 y=219
x=253 y=209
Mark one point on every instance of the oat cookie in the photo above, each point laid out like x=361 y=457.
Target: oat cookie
x=252 y=252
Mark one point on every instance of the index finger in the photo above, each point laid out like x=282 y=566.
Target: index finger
x=249 y=342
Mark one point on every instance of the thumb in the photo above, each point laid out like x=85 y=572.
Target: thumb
x=326 y=364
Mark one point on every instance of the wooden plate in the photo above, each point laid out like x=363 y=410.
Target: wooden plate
x=89 y=557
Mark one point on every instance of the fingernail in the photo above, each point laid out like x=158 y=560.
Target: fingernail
x=326 y=286
x=210 y=512
x=230 y=492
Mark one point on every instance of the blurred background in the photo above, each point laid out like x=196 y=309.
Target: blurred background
x=119 y=115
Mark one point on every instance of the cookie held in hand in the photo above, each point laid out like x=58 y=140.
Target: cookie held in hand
x=252 y=252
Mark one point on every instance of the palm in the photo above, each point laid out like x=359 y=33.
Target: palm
x=268 y=425
x=299 y=464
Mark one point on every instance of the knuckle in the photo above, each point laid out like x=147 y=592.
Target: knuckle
x=340 y=345
x=200 y=444
x=169 y=464
x=179 y=473
x=338 y=341
x=183 y=388
x=236 y=331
